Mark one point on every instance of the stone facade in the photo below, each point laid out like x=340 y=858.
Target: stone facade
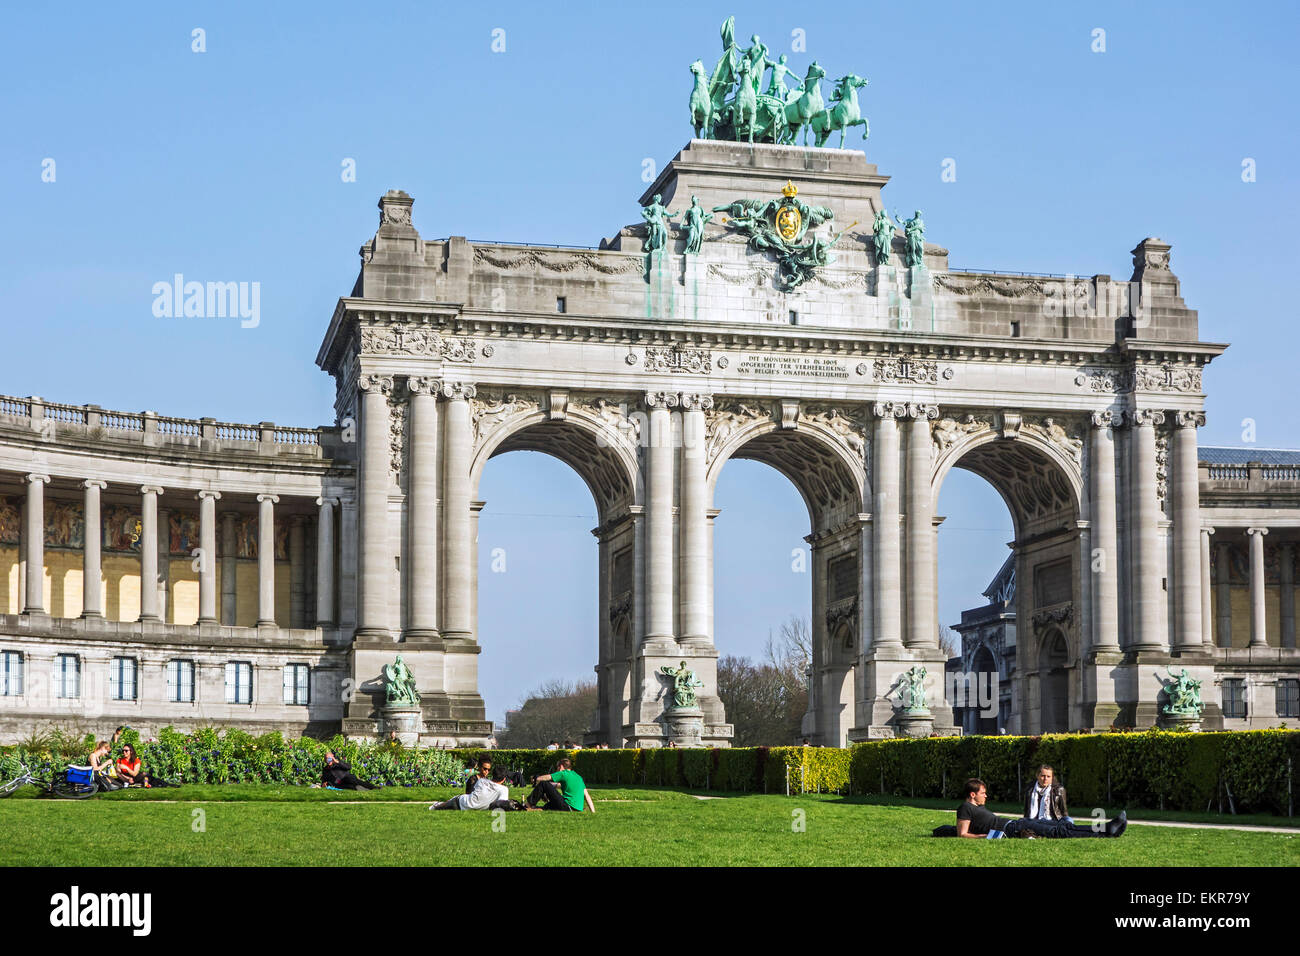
x=1078 y=399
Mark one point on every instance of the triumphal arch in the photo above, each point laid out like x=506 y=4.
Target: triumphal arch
x=764 y=304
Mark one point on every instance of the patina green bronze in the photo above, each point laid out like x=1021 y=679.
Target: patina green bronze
x=656 y=216
x=882 y=234
x=733 y=103
x=695 y=220
x=780 y=226
x=399 y=686
x=912 y=691
x=685 y=684
x=843 y=111
x=914 y=230
x=1184 y=696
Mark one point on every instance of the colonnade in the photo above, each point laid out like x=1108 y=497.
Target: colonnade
x=153 y=578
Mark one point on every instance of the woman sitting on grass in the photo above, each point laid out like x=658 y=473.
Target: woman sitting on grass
x=132 y=772
x=103 y=767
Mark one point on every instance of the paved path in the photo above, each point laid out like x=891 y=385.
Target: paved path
x=1294 y=831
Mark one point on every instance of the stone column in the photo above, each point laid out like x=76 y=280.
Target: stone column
x=325 y=563
x=922 y=629
x=884 y=526
x=1186 y=494
x=694 y=522
x=422 y=504
x=659 y=517
x=297 y=570
x=164 y=544
x=208 y=556
x=1148 y=549
x=458 y=543
x=1105 y=559
x=1286 y=594
x=92 y=576
x=1105 y=541
x=34 y=544
x=374 y=479
x=149 y=553
x=1207 y=612
x=1258 y=636
x=229 y=556
x=1223 y=567
x=266 y=559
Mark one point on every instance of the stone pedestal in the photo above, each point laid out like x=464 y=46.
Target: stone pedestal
x=406 y=719
x=1188 y=722
x=685 y=726
x=917 y=723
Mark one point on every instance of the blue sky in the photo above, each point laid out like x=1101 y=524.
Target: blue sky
x=225 y=165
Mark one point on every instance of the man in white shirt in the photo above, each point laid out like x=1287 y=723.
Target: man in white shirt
x=486 y=794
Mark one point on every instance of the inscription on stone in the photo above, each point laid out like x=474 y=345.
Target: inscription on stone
x=792 y=366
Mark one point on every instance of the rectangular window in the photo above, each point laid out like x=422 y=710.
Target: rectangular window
x=121 y=678
x=239 y=682
x=67 y=676
x=11 y=674
x=1288 y=698
x=1015 y=330
x=561 y=305
x=180 y=682
x=1234 y=697
x=297 y=683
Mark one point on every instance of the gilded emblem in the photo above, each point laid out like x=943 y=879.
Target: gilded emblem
x=789 y=221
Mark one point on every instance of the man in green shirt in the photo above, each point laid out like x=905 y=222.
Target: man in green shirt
x=561 y=790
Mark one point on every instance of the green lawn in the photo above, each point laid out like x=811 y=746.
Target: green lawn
x=251 y=825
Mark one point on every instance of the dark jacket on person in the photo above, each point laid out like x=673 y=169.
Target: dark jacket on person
x=1056 y=808
x=334 y=773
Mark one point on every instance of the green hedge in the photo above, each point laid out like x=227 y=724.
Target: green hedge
x=1249 y=771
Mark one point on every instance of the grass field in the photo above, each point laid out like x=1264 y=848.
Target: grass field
x=259 y=825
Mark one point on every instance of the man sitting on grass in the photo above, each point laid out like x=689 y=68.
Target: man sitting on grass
x=1045 y=798
x=488 y=794
x=976 y=820
x=570 y=794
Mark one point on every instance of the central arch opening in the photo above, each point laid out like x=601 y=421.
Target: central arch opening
x=1006 y=676
x=821 y=461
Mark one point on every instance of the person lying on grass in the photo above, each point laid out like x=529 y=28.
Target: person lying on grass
x=337 y=775
x=489 y=793
x=570 y=794
x=976 y=820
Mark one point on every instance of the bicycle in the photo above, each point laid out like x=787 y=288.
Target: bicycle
x=74 y=783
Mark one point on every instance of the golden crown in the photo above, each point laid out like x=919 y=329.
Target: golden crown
x=790 y=189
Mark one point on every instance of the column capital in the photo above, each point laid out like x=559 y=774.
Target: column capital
x=458 y=391
x=1189 y=419
x=94 y=483
x=1257 y=531
x=919 y=410
x=696 y=401
x=1207 y=531
x=423 y=385
x=889 y=409
x=376 y=383
x=330 y=500
x=662 y=399
x=33 y=478
x=1105 y=418
x=1145 y=417
x=150 y=490
x=206 y=493
x=274 y=499
x=229 y=515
